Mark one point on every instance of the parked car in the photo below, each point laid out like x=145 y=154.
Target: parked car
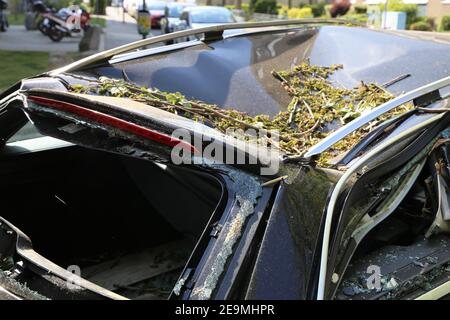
x=93 y=205
x=156 y=12
x=156 y=9
x=172 y=14
x=202 y=16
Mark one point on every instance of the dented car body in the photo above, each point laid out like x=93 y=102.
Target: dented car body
x=94 y=208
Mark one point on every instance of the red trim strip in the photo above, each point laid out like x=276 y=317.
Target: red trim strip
x=114 y=122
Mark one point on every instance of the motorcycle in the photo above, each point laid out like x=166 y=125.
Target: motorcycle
x=57 y=25
x=4 y=25
x=35 y=16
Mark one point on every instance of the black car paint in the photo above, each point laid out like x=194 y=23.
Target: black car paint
x=235 y=72
x=286 y=263
x=229 y=284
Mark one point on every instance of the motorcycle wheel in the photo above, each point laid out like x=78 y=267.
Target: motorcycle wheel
x=55 y=34
x=42 y=28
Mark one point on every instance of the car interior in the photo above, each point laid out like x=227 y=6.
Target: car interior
x=129 y=224
x=411 y=247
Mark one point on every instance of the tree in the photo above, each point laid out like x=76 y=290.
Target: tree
x=100 y=7
x=251 y=5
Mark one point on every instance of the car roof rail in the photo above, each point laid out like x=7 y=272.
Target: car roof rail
x=420 y=96
x=210 y=32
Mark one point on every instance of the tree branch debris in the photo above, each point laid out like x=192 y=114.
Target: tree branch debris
x=316 y=109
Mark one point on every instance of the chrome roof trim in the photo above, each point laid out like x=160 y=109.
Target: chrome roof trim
x=104 y=55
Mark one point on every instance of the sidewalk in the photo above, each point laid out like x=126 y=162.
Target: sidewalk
x=17 y=38
x=117 y=32
x=442 y=37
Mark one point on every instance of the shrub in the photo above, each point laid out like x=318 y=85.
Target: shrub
x=445 y=24
x=431 y=22
x=358 y=17
x=423 y=20
x=300 y=13
x=100 y=8
x=421 y=26
x=360 y=8
x=266 y=6
x=318 y=9
x=283 y=10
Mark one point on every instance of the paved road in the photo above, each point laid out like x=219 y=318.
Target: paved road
x=441 y=37
x=117 y=32
x=19 y=39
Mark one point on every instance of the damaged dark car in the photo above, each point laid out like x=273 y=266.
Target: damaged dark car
x=93 y=206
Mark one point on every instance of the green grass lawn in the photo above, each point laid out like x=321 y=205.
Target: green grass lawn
x=16 y=19
x=99 y=21
x=15 y=65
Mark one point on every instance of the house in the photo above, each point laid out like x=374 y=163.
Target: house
x=438 y=8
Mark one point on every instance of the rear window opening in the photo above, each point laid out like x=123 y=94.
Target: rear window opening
x=28 y=131
x=129 y=224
